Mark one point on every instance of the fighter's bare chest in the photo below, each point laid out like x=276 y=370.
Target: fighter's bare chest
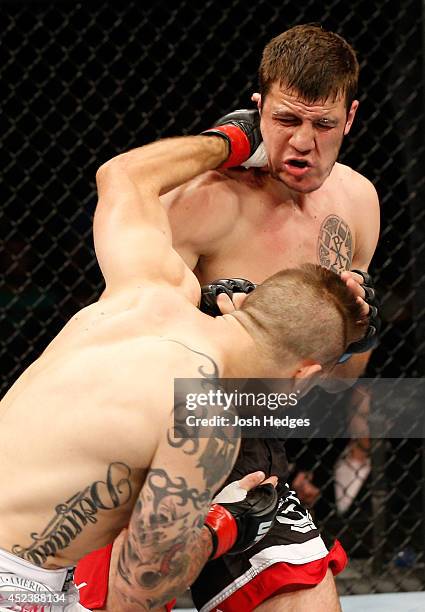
x=255 y=251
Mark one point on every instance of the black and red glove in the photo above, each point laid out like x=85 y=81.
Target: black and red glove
x=241 y=130
x=238 y=519
x=229 y=286
x=370 y=339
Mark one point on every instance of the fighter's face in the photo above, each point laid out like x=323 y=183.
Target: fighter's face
x=303 y=140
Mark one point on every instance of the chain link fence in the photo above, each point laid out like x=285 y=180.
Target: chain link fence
x=83 y=81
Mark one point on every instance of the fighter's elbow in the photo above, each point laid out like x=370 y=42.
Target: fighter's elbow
x=125 y=169
x=115 y=165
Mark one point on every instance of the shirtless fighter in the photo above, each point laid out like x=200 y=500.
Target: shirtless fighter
x=87 y=441
x=250 y=223
x=302 y=207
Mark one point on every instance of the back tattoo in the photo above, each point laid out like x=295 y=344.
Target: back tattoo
x=73 y=515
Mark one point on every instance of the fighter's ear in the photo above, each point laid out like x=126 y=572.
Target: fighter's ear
x=256 y=97
x=306 y=376
x=307 y=370
x=350 y=117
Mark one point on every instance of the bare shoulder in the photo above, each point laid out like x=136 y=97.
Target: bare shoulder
x=205 y=186
x=177 y=367
x=358 y=188
x=363 y=201
x=202 y=212
x=232 y=178
x=229 y=185
x=194 y=359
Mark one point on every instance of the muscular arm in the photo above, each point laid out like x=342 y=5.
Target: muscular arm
x=166 y=544
x=131 y=229
x=201 y=213
x=114 y=601
x=366 y=203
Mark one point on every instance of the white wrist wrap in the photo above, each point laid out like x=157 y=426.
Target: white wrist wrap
x=258 y=159
x=230 y=494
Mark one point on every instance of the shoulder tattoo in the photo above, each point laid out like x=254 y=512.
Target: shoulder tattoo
x=335 y=244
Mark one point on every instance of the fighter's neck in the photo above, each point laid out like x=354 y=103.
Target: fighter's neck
x=289 y=197
x=283 y=196
x=279 y=194
x=241 y=355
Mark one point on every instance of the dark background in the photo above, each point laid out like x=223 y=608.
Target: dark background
x=82 y=82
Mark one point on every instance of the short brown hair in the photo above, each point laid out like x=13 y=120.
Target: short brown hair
x=306 y=312
x=312 y=62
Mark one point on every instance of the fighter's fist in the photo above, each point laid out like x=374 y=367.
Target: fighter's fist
x=241 y=129
x=361 y=285
x=238 y=517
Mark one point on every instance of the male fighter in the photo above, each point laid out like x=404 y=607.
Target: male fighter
x=87 y=440
x=303 y=206
x=249 y=223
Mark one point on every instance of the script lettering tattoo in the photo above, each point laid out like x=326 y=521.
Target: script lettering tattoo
x=78 y=511
x=166 y=545
x=335 y=244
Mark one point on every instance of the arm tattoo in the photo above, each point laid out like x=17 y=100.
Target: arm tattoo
x=166 y=545
x=222 y=443
x=335 y=244
x=78 y=511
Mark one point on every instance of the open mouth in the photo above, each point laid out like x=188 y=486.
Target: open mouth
x=297 y=163
x=297 y=167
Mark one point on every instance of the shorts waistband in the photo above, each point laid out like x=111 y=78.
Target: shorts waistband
x=57 y=580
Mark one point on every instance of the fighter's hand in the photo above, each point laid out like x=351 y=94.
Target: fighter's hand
x=242 y=514
x=227 y=305
x=248 y=482
x=355 y=283
x=361 y=285
x=224 y=295
x=241 y=130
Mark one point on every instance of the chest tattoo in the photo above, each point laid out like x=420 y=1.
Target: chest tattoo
x=335 y=244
